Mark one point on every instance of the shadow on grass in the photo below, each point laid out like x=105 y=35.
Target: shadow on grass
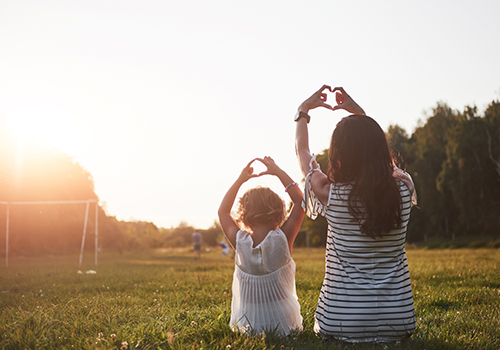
x=309 y=340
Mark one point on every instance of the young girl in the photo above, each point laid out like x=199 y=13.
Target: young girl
x=264 y=297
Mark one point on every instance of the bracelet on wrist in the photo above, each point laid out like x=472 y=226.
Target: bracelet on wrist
x=292 y=184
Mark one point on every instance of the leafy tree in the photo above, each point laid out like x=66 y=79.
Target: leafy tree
x=213 y=235
x=36 y=173
x=452 y=160
x=492 y=127
x=398 y=141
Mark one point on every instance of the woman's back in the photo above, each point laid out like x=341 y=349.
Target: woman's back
x=366 y=294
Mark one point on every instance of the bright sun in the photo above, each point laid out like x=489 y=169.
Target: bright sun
x=43 y=124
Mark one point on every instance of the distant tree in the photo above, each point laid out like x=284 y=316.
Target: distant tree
x=492 y=127
x=33 y=172
x=452 y=158
x=213 y=235
x=462 y=178
x=398 y=141
x=181 y=236
x=429 y=151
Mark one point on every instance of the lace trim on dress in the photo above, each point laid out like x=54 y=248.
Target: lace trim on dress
x=311 y=204
x=408 y=181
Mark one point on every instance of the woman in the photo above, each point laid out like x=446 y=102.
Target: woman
x=366 y=294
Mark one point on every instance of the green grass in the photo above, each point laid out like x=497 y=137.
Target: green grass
x=167 y=300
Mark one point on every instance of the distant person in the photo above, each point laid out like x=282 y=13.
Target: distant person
x=366 y=294
x=225 y=249
x=197 y=244
x=264 y=295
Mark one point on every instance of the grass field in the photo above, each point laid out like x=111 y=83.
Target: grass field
x=167 y=300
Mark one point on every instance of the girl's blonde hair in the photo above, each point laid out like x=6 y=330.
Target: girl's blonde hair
x=260 y=205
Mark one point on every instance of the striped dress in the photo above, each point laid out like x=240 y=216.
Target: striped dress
x=366 y=294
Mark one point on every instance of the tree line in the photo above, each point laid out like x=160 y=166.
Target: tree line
x=455 y=161
x=453 y=157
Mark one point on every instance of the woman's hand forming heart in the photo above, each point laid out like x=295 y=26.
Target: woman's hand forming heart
x=345 y=102
x=319 y=98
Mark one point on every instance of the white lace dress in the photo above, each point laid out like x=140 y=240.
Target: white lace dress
x=264 y=295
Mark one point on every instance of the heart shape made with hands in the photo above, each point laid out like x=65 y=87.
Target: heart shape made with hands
x=340 y=95
x=257 y=167
x=344 y=101
x=340 y=98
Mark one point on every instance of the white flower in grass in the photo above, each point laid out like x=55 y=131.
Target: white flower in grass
x=228 y=346
x=245 y=329
x=124 y=345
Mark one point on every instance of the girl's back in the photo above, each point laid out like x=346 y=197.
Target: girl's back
x=266 y=257
x=264 y=295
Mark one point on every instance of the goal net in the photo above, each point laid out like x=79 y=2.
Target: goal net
x=86 y=201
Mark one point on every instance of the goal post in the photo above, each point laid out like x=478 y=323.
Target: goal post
x=85 y=201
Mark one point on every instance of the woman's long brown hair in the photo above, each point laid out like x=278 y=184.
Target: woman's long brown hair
x=359 y=154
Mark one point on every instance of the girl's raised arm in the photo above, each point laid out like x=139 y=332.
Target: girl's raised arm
x=227 y=222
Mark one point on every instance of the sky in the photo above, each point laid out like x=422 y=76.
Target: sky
x=164 y=102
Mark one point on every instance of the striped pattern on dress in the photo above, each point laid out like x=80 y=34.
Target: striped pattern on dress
x=366 y=294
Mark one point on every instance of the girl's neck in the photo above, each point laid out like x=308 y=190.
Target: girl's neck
x=259 y=232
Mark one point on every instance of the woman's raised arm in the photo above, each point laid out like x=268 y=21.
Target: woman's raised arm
x=318 y=99
x=319 y=181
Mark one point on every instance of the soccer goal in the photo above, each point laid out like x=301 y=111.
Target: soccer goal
x=86 y=201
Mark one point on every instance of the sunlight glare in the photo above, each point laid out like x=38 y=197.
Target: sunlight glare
x=44 y=125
